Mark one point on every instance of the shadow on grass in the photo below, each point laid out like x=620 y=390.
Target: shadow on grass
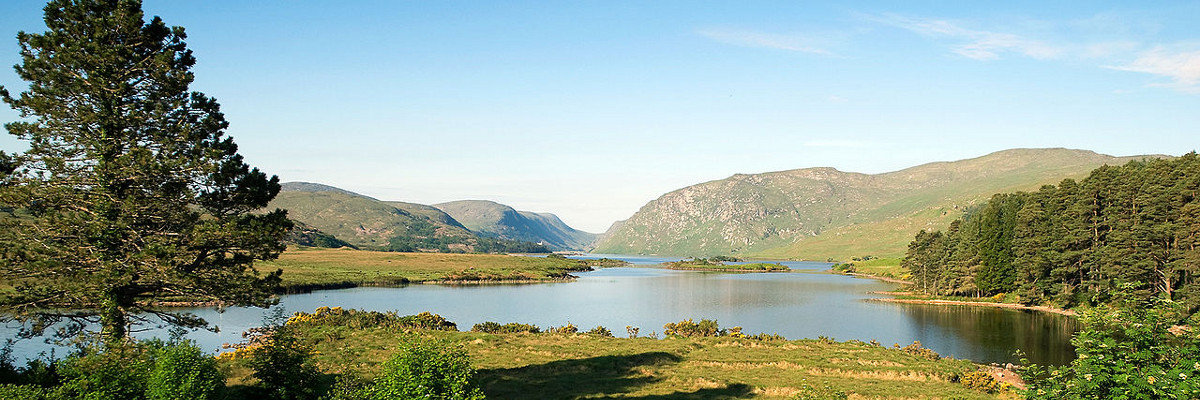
x=595 y=377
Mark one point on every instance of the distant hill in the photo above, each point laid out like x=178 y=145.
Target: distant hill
x=501 y=221
x=361 y=220
x=819 y=213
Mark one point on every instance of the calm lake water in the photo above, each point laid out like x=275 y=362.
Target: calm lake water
x=802 y=304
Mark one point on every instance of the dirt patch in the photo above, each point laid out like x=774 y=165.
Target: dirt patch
x=1006 y=376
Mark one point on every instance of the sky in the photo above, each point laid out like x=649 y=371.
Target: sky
x=591 y=109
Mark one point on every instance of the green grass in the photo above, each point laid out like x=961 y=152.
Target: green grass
x=887 y=267
x=315 y=268
x=705 y=265
x=576 y=366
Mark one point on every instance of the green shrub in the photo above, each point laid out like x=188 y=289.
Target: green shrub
x=1131 y=352
x=116 y=372
x=24 y=392
x=688 y=328
x=349 y=387
x=426 y=320
x=511 y=327
x=426 y=369
x=36 y=372
x=358 y=319
x=487 y=327
x=284 y=367
x=564 y=330
x=981 y=381
x=916 y=350
x=181 y=372
x=600 y=331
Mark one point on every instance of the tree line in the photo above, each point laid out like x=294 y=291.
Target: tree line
x=1132 y=229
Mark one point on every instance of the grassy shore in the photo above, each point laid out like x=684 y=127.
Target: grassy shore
x=876 y=267
x=889 y=269
x=578 y=365
x=314 y=268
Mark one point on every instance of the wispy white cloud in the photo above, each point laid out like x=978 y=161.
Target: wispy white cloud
x=1181 y=66
x=979 y=44
x=1108 y=49
x=788 y=42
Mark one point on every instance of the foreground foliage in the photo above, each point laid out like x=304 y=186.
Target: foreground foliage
x=539 y=362
x=426 y=369
x=338 y=354
x=151 y=370
x=1131 y=352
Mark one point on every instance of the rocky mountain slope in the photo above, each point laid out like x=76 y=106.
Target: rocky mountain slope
x=498 y=220
x=819 y=213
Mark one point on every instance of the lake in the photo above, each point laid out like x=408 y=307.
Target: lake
x=803 y=304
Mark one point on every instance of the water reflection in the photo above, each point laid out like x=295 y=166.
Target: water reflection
x=796 y=305
x=994 y=333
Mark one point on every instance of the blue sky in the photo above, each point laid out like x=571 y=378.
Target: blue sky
x=591 y=109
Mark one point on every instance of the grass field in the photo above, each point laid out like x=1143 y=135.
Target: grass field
x=707 y=266
x=880 y=267
x=577 y=366
x=316 y=268
x=885 y=267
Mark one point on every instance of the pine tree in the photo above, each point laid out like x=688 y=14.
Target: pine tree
x=130 y=192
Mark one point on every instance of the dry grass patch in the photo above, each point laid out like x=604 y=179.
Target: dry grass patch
x=859 y=361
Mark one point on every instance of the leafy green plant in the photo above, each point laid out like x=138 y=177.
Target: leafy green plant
x=567 y=329
x=511 y=327
x=981 y=381
x=688 y=328
x=917 y=350
x=1130 y=352
x=600 y=331
x=284 y=367
x=24 y=392
x=182 y=371
x=426 y=369
x=116 y=371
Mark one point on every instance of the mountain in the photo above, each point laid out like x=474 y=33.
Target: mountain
x=364 y=221
x=303 y=234
x=501 y=221
x=819 y=213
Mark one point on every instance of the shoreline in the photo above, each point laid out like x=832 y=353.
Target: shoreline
x=882 y=278
x=940 y=302
x=1051 y=310
x=310 y=288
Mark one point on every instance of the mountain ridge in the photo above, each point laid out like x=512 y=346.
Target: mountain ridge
x=371 y=223
x=821 y=212
x=502 y=221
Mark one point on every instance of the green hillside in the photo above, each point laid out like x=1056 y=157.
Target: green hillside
x=819 y=213
x=357 y=219
x=501 y=221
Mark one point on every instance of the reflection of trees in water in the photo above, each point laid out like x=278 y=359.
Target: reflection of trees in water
x=1045 y=338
